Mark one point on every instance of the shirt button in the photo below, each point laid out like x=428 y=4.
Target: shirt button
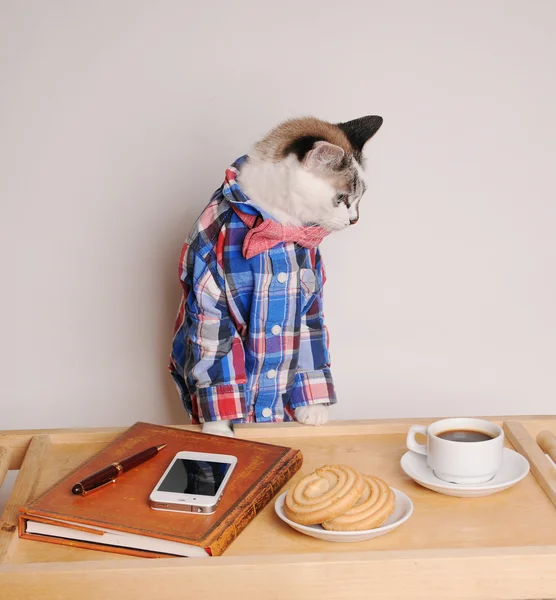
x=271 y=374
x=282 y=277
x=276 y=329
x=267 y=412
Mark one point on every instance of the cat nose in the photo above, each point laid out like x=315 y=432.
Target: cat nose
x=353 y=221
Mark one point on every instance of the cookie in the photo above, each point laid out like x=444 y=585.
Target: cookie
x=324 y=495
x=375 y=504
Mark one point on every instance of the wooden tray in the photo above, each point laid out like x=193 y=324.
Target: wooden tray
x=497 y=547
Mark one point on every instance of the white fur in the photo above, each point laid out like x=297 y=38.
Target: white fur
x=218 y=428
x=353 y=211
x=360 y=171
x=324 y=156
x=292 y=194
x=314 y=414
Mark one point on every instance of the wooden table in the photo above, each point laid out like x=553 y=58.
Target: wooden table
x=497 y=547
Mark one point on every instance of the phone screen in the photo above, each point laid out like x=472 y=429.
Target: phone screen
x=200 y=477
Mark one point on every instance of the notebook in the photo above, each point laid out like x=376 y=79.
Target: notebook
x=117 y=518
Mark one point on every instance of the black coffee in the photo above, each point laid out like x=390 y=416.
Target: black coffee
x=465 y=435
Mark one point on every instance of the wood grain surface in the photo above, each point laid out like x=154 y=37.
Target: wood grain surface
x=498 y=547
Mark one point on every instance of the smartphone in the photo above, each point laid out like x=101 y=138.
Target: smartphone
x=193 y=482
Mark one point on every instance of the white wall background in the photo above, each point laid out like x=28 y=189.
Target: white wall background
x=118 y=119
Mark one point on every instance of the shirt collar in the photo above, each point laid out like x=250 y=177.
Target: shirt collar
x=241 y=203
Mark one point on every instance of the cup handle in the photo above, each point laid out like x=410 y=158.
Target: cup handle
x=411 y=442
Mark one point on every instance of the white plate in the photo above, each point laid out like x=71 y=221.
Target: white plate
x=514 y=468
x=402 y=512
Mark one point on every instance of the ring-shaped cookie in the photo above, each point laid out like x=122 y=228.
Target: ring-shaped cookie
x=376 y=503
x=323 y=495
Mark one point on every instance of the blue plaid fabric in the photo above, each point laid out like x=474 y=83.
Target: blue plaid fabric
x=249 y=342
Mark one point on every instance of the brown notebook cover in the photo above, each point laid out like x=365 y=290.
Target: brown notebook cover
x=262 y=469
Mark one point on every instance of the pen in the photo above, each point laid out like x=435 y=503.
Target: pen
x=110 y=473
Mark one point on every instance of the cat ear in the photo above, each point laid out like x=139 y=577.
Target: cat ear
x=324 y=155
x=360 y=131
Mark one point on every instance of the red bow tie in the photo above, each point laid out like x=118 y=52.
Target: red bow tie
x=267 y=234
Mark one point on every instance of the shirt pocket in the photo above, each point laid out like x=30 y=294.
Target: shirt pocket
x=310 y=284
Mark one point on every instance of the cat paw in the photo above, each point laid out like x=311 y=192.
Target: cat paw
x=224 y=428
x=314 y=414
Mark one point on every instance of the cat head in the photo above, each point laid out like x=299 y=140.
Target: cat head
x=307 y=171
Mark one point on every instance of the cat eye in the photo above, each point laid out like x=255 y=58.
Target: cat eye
x=342 y=198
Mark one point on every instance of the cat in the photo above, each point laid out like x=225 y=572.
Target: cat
x=301 y=181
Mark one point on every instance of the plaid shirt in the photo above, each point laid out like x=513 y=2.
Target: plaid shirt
x=249 y=342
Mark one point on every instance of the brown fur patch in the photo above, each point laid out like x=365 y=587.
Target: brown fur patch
x=275 y=144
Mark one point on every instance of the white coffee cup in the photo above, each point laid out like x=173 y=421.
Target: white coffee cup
x=465 y=462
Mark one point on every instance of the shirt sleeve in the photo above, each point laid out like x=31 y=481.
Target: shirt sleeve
x=313 y=382
x=214 y=355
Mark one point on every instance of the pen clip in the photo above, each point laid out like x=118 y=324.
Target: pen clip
x=97 y=488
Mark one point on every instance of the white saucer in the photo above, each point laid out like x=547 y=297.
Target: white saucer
x=514 y=468
x=402 y=512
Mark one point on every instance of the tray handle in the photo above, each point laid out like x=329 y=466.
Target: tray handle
x=541 y=468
